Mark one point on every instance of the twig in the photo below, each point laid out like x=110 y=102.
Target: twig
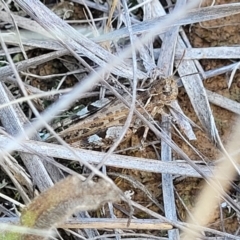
x=120 y=161
x=23 y=65
x=103 y=223
x=166 y=62
x=223 y=102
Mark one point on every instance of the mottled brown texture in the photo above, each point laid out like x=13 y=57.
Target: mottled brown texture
x=159 y=94
x=59 y=202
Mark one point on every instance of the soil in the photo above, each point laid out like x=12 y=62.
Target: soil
x=223 y=32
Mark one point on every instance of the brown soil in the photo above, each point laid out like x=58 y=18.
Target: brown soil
x=223 y=32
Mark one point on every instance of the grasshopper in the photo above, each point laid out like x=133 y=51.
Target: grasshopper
x=101 y=128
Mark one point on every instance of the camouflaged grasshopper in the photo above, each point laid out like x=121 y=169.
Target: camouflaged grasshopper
x=101 y=128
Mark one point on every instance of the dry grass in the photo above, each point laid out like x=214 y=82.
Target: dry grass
x=98 y=58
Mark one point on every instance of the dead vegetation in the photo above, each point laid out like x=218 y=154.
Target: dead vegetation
x=58 y=63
